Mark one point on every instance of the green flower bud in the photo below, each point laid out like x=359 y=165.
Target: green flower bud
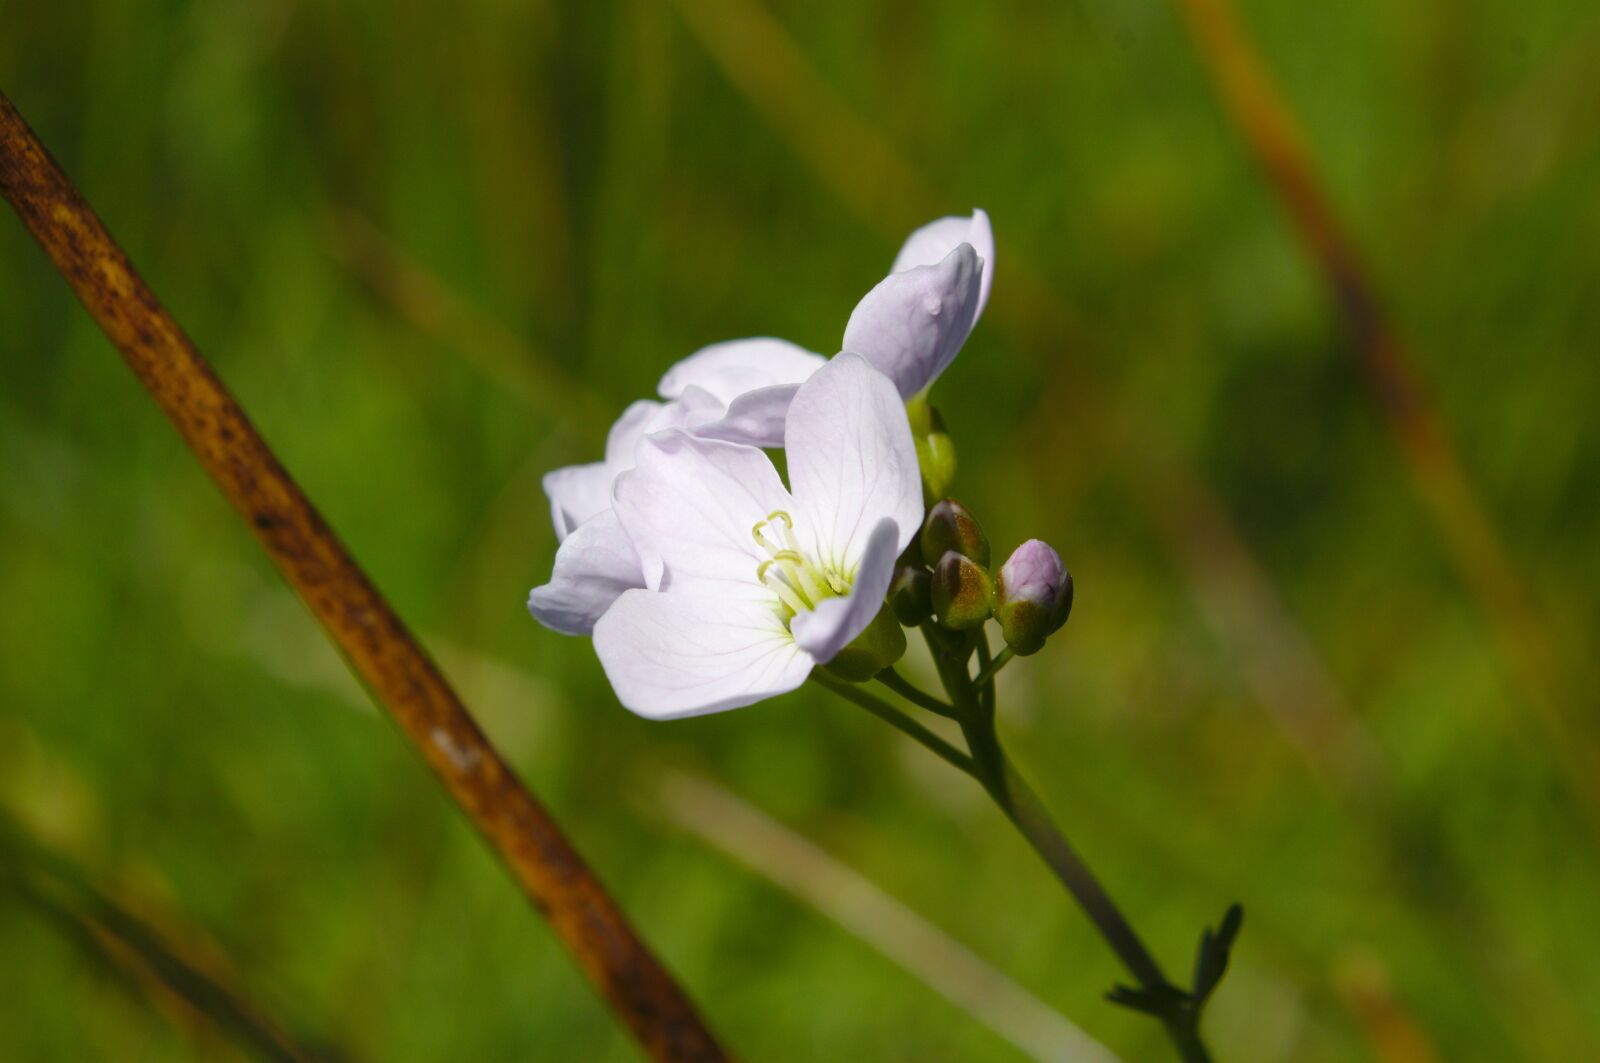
x=951 y=526
x=936 y=455
x=936 y=451
x=963 y=593
x=924 y=419
x=876 y=648
x=1033 y=596
x=911 y=595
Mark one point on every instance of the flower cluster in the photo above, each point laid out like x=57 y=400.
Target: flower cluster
x=705 y=581
x=708 y=583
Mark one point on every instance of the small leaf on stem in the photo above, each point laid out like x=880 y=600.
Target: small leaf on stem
x=1163 y=1001
x=1215 y=947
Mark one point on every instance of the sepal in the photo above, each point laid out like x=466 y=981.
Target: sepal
x=963 y=593
x=878 y=647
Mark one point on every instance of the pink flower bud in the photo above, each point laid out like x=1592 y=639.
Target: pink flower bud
x=1034 y=596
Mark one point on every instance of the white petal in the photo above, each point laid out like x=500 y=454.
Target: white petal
x=670 y=655
x=594 y=565
x=577 y=493
x=755 y=418
x=851 y=460
x=690 y=506
x=728 y=370
x=912 y=324
x=692 y=407
x=832 y=625
x=631 y=427
x=937 y=239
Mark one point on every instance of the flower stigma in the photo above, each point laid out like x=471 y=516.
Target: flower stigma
x=799 y=583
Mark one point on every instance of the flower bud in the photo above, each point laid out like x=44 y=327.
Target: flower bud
x=951 y=526
x=1033 y=596
x=936 y=451
x=911 y=595
x=963 y=593
x=876 y=648
x=936 y=456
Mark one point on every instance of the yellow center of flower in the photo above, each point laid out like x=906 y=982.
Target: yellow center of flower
x=799 y=583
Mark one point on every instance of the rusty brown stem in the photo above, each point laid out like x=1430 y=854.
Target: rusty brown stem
x=1258 y=109
x=355 y=615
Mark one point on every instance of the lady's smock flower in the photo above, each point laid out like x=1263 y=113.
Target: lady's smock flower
x=748 y=584
x=910 y=327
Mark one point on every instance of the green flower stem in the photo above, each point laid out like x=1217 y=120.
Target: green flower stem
x=987 y=671
x=899 y=684
x=1023 y=807
x=972 y=705
x=888 y=713
x=980 y=643
x=994 y=771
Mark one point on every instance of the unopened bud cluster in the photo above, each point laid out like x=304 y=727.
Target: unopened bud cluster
x=945 y=577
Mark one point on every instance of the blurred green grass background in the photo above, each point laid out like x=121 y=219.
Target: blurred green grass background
x=432 y=248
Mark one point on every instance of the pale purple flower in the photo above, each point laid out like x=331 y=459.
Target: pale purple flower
x=910 y=326
x=749 y=584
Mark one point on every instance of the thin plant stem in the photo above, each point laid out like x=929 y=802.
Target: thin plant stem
x=1024 y=809
x=1016 y=799
x=889 y=714
x=900 y=685
x=985 y=677
x=980 y=643
x=993 y=770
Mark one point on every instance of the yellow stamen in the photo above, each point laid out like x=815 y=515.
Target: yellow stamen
x=799 y=584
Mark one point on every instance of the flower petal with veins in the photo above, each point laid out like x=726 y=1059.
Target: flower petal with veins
x=754 y=380
x=594 y=565
x=935 y=240
x=913 y=323
x=728 y=370
x=689 y=506
x=851 y=460
x=684 y=654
